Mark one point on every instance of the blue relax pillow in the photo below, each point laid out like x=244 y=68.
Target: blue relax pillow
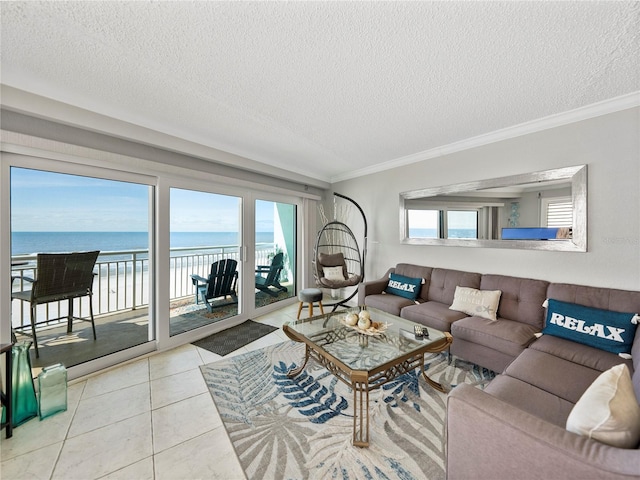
x=402 y=286
x=604 y=329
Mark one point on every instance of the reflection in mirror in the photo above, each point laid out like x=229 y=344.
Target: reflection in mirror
x=541 y=210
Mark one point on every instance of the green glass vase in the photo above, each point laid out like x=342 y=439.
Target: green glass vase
x=25 y=404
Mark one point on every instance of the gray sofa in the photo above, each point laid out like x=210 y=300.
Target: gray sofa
x=516 y=426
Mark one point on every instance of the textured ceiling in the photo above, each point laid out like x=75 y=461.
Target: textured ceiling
x=323 y=88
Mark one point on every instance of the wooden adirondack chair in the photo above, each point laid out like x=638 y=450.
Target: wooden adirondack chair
x=272 y=278
x=222 y=282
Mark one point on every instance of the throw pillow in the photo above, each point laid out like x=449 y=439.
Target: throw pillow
x=478 y=303
x=402 y=286
x=333 y=273
x=608 y=410
x=604 y=329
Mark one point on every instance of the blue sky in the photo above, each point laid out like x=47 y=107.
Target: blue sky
x=53 y=202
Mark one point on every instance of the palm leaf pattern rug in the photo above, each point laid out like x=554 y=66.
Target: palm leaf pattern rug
x=301 y=428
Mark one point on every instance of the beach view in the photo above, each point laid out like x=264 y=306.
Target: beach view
x=57 y=213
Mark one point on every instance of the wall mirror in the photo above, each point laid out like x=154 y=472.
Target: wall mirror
x=544 y=210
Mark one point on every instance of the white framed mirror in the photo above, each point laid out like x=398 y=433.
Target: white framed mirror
x=544 y=210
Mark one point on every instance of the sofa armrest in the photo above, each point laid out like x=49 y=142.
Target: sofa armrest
x=373 y=287
x=491 y=439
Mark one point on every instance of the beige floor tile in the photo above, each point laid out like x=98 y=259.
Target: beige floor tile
x=183 y=421
x=125 y=376
x=272 y=339
x=30 y=435
x=142 y=470
x=105 y=450
x=207 y=356
x=34 y=465
x=96 y=412
x=179 y=359
x=210 y=455
x=278 y=318
x=167 y=390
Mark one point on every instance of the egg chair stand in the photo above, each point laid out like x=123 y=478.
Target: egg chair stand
x=337 y=259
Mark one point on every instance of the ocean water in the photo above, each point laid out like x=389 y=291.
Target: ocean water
x=27 y=243
x=432 y=233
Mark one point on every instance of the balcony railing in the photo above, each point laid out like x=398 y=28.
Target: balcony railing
x=122 y=280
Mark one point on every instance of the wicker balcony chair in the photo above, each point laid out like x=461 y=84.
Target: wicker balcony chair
x=59 y=276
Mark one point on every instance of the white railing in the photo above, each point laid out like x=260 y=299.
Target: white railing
x=122 y=280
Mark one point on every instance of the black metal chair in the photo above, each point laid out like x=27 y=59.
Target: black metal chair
x=272 y=279
x=222 y=282
x=59 y=276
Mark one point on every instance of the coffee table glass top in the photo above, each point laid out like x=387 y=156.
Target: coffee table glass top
x=359 y=351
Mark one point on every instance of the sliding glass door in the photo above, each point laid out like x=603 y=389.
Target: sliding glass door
x=275 y=251
x=204 y=258
x=178 y=259
x=55 y=212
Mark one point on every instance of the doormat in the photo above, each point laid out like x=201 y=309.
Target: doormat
x=234 y=338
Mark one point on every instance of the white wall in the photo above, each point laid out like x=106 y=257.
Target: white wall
x=608 y=144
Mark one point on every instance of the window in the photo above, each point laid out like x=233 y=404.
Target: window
x=424 y=223
x=204 y=229
x=557 y=212
x=53 y=212
x=275 y=251
x=444 y=223
x=462 y=224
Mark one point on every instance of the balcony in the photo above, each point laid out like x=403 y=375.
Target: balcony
x=121 y=303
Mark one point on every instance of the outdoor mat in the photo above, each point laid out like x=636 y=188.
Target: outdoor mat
x=233 y=338
x=301 y=428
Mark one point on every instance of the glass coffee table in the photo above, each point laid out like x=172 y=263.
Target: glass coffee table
x=365 y=361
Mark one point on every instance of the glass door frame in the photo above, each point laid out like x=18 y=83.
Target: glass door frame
x=246 y=282
x=84 y=162
x=251 y=235
x=26 y=161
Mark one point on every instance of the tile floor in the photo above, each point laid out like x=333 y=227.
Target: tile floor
x=151 y=418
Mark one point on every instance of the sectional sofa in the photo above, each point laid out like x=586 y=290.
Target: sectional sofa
x=565 y=402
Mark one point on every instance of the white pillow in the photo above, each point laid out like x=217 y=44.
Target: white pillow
x=479 y=303
x=608 y=410
x=333 y=273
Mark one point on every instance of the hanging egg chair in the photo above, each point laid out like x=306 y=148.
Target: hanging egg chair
x=337 y=260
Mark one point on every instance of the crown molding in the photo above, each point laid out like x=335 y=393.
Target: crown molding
x=604 y=107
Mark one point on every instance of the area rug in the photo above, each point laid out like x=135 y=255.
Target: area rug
x=302 y=428
x=233 y=338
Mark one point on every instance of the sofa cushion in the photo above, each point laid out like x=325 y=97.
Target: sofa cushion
x=389 y=303
x=635 y=351
x=531 y=399
x=432 y=314
x=553 y=374
x=578 y=353
x=480 y=303
x=521 y=298
x=607 y=330
x=608 y=411
x=604 y=298
x=443 y=283
x=505 y=335
x=333 y=260
x=403 y=286
x=416 y=271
